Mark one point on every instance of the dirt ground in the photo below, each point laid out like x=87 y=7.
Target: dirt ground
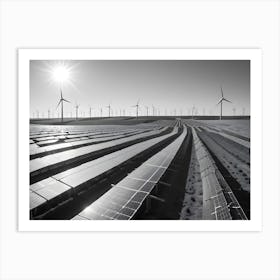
x=192 y=204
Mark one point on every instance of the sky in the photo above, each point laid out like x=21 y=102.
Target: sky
x=168 y=85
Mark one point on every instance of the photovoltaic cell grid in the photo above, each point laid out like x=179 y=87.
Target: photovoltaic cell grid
x=72 y=143
x=123 y=200
x=226 y=135
x=214 y=203
x=51 y=160
x=68 y=180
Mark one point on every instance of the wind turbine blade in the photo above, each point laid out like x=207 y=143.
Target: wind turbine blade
x=66 y=100
x=138 y=102
x=220 y=101
x=227 y=100
x=222 y=92
x=58 y=103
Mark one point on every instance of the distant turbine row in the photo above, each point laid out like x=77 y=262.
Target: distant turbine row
x=122 y=112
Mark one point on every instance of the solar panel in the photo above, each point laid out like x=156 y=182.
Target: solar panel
x=49 y=188
x=214 y=203
x=59 y=158
x=75 y=177
x=231 y=137
x=35 y=200
x=76 y=142
x=47 y=142
x=62 y=182
x=123 y=200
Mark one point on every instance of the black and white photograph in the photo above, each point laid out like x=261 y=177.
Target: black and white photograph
x=139 y=140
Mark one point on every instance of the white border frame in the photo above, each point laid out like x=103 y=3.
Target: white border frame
x=254 y=55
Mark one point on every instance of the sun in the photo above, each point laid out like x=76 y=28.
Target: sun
x=61 y=74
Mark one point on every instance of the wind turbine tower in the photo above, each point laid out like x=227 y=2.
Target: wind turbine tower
x=61 y=102
x=221 y=102
x=109 y=108
x=193 y=109
x=137 y=108
x=147 y=110
x=77 y=108
x=90 y=108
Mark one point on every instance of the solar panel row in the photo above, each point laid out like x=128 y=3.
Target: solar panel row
x=40 y=140
x=76 y=143
x=214 y=203
x=73 y=178
x=39 y=165
x=123 y=200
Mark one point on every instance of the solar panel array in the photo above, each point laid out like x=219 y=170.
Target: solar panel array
x=123 y=200
x=214 y=203
x=64 y=183
x=50 y=161
x=43 y=147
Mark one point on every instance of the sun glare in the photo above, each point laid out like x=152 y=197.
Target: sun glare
x=61 y=74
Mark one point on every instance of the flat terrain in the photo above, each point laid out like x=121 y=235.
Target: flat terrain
x=241 y=127
x=139 y=168
x=99 y=121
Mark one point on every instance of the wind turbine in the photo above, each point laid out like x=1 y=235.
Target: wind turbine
x=61 y=74
x=147 y=110
x=61 y=102
x=153 y=109
x=49 y=113
x=109 y=107
x=137 y=108
x=193 y=108
x=90 y=108
x=77 y=108
x=101 y=112
x=221 y=102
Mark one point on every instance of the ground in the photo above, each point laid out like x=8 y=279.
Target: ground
x=224 y=140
